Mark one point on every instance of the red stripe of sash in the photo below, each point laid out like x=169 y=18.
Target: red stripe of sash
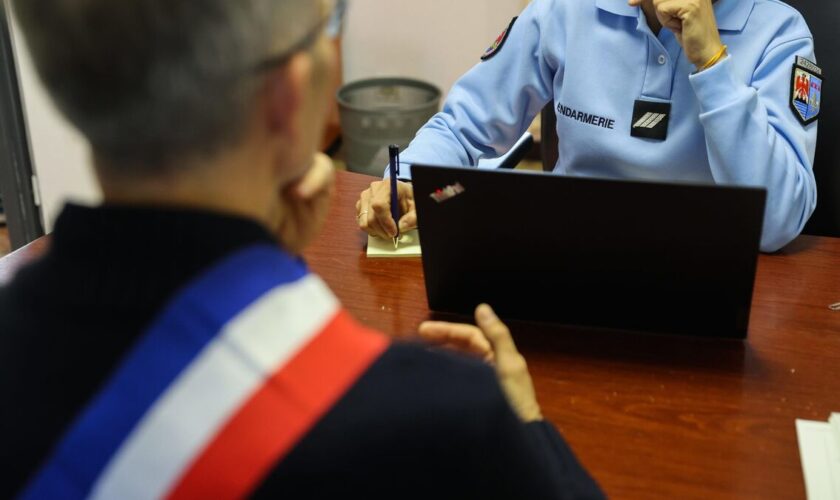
x=282 y=412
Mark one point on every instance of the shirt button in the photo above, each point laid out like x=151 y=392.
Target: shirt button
x=662 y=59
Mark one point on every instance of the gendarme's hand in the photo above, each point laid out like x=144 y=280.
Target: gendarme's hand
x=694 y=24
x=373 y=210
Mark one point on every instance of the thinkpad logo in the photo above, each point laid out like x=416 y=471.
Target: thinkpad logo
x=447 y=193
x=650 y=120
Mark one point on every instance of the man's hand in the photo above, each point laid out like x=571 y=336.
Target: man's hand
x=373 y=210
x=305 y=205
x=694 y=24
x=491 y=341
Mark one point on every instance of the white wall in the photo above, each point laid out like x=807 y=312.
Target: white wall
x=432 y=40
x=59 y=154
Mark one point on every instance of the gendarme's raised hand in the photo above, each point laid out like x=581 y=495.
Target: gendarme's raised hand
x=693 y=23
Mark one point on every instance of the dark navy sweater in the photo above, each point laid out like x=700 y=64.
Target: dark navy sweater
x=418 y=424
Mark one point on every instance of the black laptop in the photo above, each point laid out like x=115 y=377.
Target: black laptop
x=630 y=255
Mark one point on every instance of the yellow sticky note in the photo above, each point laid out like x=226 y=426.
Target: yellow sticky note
x=383 y=249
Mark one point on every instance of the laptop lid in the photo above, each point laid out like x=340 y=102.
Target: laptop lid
x=630 y=255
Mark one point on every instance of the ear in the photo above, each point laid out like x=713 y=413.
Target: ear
x=286 y=94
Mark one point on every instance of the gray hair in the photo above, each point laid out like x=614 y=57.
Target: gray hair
x=150 y=82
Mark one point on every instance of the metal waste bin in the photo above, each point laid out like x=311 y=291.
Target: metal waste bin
x=382 y=111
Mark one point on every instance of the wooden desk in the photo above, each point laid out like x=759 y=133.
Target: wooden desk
x=651 y=417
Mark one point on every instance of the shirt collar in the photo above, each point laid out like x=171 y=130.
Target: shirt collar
x=617 y=7
x=139 y=256
x=732 y=15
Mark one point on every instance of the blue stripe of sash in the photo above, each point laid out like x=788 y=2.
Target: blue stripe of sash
x=192 y=319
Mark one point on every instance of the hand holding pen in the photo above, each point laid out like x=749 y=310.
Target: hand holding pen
x=374 y=214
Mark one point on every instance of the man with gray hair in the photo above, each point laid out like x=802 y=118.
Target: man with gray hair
x=171 y=343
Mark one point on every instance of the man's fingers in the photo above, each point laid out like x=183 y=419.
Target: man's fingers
x=436 y=331
x=487 y=357
x=495 y=331
x=465 y=338
x=319 y=179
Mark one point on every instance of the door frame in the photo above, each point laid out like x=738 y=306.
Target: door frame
x=18 y=184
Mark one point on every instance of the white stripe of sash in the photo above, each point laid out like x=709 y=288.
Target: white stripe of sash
x=226 y=374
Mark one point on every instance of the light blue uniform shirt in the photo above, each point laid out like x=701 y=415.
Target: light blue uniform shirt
x=730 y=124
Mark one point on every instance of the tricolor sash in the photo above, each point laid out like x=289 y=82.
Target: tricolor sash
x=236 y=370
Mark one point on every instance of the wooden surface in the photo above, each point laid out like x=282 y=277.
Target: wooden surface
x=651 y=417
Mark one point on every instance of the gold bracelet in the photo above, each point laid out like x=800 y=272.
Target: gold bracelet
x=714 y=60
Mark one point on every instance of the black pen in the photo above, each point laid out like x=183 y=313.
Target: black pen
x=394 y=171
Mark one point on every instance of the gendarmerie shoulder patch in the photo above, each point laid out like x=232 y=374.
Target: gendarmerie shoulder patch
x=499 y=43
x=806 y=90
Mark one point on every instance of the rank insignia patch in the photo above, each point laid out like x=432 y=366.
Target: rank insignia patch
x=806 y=90
x=499 y=43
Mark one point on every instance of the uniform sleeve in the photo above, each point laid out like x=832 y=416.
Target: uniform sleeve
x=754 y=139
x=491 y=106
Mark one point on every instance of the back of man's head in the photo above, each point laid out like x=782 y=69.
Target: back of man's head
x=150 y=82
